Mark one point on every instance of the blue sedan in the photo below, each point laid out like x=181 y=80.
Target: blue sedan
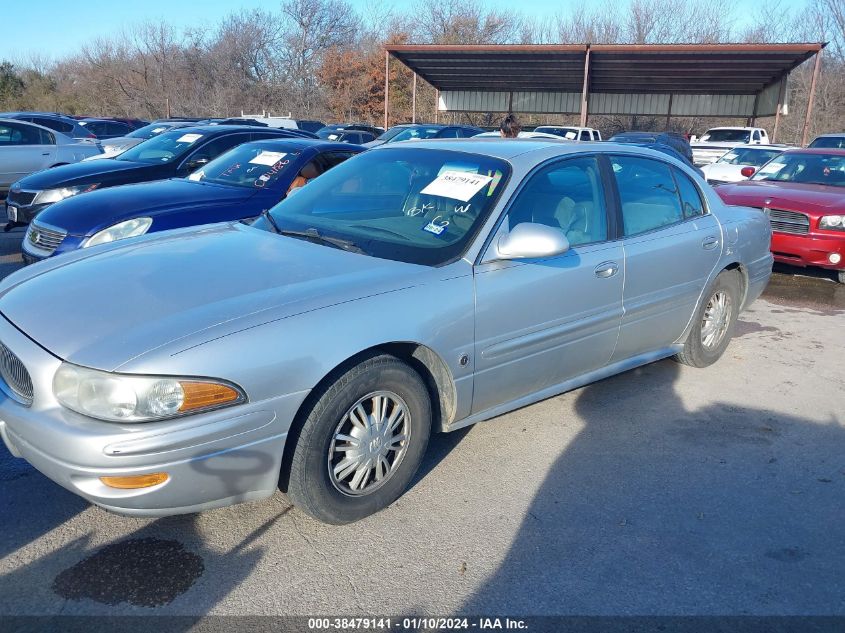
x=237 y=185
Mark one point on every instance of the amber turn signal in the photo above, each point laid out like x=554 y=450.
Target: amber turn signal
x=202 y=395
x=135 y=481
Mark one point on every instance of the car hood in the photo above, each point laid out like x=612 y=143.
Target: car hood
x=103 y=307
x=792 y=196
x=82 y=173
x=719 y=145
x=86 y=214
x=723 y=171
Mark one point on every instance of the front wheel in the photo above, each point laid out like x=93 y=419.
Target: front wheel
x=714 y=322
x=362 y=441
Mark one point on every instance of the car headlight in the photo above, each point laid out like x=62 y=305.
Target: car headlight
x=125 y=398
x=832 y=222
x=48 y=196
x=120 y=231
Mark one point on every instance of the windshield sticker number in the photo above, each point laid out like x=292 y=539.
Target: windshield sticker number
x=458 y=185
x=435 y=227
x=268 y=158
x=189 y=138
x=462 y=208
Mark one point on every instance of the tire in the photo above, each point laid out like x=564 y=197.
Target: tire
x=703 y=348
x=317 y=481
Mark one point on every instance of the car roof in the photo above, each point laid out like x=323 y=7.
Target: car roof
x=302 y=142
x=816 y=150
x=223 y=129
x=522 y=148
x=831 y=134
x=40 y=127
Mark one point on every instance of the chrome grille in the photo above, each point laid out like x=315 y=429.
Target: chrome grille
x=789 y=221
x=41 y=237
x=20 y=198
x=15 y=376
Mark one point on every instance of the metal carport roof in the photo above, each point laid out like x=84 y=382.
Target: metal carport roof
x=577 y=72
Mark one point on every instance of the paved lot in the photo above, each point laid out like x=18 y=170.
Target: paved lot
x=666 y=490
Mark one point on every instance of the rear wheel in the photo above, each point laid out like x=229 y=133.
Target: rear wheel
x=362 y=441
x=714 y=323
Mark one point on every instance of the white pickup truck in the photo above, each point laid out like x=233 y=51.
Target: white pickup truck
x=715 y=142
x=570 y=133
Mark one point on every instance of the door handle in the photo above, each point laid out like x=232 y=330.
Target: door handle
x=709 y=243
x=45 y=153
x=606 y=269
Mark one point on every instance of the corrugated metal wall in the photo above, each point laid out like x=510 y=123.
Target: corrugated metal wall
x=768 y=102
x=607 y=103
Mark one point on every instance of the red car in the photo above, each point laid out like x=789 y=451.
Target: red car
x=803 y=192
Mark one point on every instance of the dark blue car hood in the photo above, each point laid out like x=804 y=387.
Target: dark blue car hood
x=103 y=170
x=88 y=213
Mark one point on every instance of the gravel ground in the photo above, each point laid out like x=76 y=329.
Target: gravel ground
x=665 y=490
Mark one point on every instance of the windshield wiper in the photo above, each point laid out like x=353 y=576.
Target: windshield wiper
x=271 y=221
x=314 y=235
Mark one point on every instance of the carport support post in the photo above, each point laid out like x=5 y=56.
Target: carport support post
x=414 y=100
x=781 y=97
x=805 y=134
x=584 y=90
x=386 y=85
x=436 y=104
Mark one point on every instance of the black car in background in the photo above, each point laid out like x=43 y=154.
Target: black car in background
x=106 y=128
x=360 y=127
x=173 y=153
x=343 y=135
x=676 y=141
x=421 y=131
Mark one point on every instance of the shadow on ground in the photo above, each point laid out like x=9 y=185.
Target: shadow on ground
x=625 y=523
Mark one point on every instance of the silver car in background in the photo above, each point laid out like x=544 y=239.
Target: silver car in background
x=415 y=288
x=115 y=146
x=26 y=148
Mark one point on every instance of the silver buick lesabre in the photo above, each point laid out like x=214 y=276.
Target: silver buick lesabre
x=415 y=288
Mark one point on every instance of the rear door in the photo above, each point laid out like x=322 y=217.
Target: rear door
x=23 y=150
x=540 y=322
x=671 y=246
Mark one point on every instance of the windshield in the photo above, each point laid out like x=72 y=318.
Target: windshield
x=164 y=148
x=727 y=136
x=386 y=136
x=331 y=134
x=829 y=142
x=415 y=205
x=749 y=156
x=816 y=169
x=415 y=134
x=257 y=165
x=149 y=131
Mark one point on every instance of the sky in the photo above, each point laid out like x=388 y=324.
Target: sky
x=59 y=27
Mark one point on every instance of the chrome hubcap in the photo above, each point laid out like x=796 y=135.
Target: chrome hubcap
x=369 y=443
x=717 y=315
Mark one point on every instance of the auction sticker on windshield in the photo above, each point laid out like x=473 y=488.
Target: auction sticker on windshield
x=458 y=185
x=189 y=138
x=268 y=158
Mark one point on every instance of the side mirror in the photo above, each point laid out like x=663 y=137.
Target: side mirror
x=529 y=240
x=747 y=172
x=191 y=165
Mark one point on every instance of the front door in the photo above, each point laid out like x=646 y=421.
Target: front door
x=540 y=322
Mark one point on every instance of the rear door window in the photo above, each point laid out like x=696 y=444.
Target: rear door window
x=647 y=191
x=691 y=200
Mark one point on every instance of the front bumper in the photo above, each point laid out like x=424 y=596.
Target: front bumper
x=23 y=213
x=812 y=249
x=212 y=459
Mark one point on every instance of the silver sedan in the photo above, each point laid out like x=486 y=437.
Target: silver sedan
x=415 y=288
x=26 y=148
